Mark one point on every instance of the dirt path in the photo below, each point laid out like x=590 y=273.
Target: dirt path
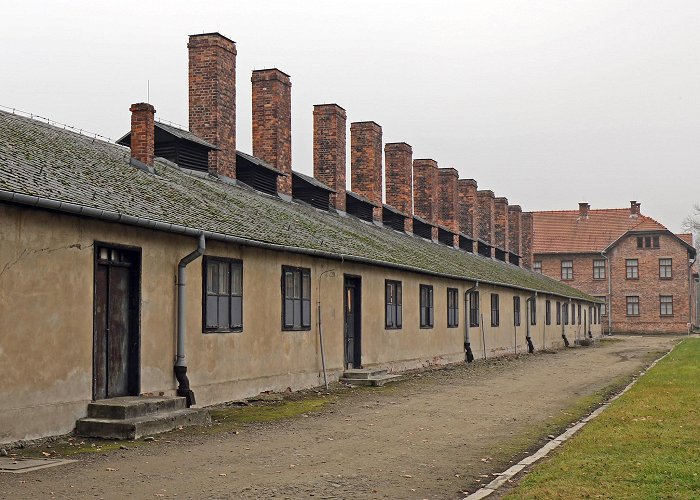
x=424 y=437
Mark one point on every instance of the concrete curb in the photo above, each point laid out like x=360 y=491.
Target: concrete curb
x=510 y=473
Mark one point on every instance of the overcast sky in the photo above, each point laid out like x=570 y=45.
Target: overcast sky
x=545 y=102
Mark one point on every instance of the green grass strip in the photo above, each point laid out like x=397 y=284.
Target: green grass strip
x=645 y=445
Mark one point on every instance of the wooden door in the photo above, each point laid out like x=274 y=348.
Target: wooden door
x=353 y=345
x=115 y=343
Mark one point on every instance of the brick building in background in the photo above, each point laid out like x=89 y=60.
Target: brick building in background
x=643 y=270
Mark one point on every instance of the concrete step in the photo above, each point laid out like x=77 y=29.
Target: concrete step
x=363 y=373
x=587 y=342
x=134 y=406
x=377 y=381
x=145 y=425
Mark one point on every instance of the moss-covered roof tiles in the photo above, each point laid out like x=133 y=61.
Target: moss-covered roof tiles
x=40 y=160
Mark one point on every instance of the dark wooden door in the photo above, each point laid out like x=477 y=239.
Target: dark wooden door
x=353 y=345
x=115 y=345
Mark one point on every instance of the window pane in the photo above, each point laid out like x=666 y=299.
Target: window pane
x=237 y=278
x=212 y=277
x=288 y=285
x=296 y=305
x=297 y=285
x=224 y=311
x=289 y=313
x=306 y=285
x=223 y=278
x=398 y=294
x=212 y=316
x=399 y=315
x=236 y=312
x=306 y=313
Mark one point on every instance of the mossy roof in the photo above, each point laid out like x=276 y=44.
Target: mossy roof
x=41 y=160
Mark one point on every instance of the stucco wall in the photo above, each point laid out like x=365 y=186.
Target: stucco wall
x=46 y=321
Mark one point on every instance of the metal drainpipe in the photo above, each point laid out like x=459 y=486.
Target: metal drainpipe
x=608 y=305
x=563 y=331
x=690 y=293
x=530 y=346
x=467 y=341
x=180 y=365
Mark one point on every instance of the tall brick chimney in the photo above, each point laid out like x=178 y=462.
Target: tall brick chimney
x=142 y=132
x=329 y=150
x=501 y=237
x=467 y=206
x=425 y=186
x=583 y=209
x=272 y=123
x=485 y=216
x=366 y=163
x=212 y=98
x=635 y=208
x=514 y=224
x=448 y=206
x=398 y=167
x=526 y=231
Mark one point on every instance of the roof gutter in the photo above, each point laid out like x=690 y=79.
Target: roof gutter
x=110 y=216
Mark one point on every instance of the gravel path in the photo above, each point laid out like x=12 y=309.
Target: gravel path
x=427 y=436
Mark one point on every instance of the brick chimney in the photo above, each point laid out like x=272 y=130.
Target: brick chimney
x=329 y=150
x=142 y=132
x=398 y=166
x=635 y=208
x=448 y=206
x=212 y=98
x=583 y=209
x=514 y=223
x=527 y=230
x=366 y=163
x=272 y=123
x=485 y=216
x=425 y=191
x=467 y=205
x=500 y=227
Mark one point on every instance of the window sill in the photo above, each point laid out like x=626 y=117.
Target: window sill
x=426 y=327
x=228 y=330
x=666 y=279
x=452 y=326
x=393 y=327
x=632 y=279
x=300 y=329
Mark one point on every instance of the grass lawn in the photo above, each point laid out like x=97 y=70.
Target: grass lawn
x=645 y=445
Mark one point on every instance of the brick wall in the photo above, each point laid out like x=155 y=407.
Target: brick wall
x=448 y=206
x=272 y=123
x=500 y=223
x=526 y=230
x=648 y=287
x=212 y=98
x=329 y=150
x=485 y=213
x=514 y=222
x=142 y=132
x=366 y=162
x=425 y=185
x=467 y=189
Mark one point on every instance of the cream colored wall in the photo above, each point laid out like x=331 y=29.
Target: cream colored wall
x=46 y=321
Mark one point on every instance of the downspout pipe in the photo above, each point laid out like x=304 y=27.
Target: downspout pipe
x=563 y=323
x=530 y=346
x=183 y=389
x=690 y=293
x=608 y=305
x=467 y=341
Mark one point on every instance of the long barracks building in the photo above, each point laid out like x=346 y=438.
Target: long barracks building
x=172 y=263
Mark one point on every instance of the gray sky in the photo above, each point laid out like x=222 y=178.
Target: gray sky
x=545 y=102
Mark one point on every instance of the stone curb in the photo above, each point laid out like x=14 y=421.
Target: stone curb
x=510 y=473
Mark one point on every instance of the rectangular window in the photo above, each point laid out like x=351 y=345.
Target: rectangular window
x=665 y=269
x=548 y=313
x=516 y=310
x=452 y=307
x=579 y=314
x=495 y=319
x=640 y=242
x=537 y=266
x=558 y=313
x=655 y=242
x=633 y=305
x=296 y=298
x=223 y=295
x=573 y=314
x=632 y=266
x=598 y=269
x=666 y=305
x=392 y=301
x=533 y=312
x=565 y=312
x=474 y=308
x=567 y=269
x=602 y=307
x=426 y=306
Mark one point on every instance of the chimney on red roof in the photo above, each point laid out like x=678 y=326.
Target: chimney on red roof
x=142 y=132
x=500 y=223
x=485 y=209
x=212 y=98
x=515 y=216
x=635 y=208
x=329 y=150
x=425 y=192
x=583 y=209
x=467 y=206
x=272 y=123
x=366 y=163
x=526 y=233
x=398 y=167
x=448 y=203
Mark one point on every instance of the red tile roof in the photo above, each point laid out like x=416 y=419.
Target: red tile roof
x=563 y=231
x=687 y=237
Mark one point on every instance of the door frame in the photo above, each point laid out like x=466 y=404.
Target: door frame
x=134 y=372
x=357 y=338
